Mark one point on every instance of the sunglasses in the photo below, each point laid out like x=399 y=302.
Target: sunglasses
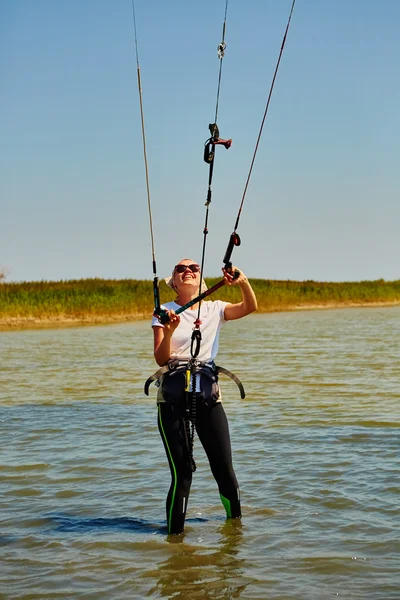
x=182 y=268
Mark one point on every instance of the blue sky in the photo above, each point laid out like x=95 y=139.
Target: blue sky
x=323 y=201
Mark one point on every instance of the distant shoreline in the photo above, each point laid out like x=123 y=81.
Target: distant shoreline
x=63 y=322
x=76 y=303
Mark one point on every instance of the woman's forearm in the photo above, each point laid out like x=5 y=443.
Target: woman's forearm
x=162 y=352
x=249 y=300
x=248 y=304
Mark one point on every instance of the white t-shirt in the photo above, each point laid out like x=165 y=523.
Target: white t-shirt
x=211 y=317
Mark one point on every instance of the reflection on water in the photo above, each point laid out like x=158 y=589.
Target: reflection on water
x=83 y=475
x=216 y=573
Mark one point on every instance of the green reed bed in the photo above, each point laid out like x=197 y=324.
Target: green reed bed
x=77 y=299
x=279 y=295
x=88 y=299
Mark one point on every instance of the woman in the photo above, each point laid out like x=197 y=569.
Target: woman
x=172 y=347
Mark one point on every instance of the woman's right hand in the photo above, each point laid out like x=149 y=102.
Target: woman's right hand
x=173 y=321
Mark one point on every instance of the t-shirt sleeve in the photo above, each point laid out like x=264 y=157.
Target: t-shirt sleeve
x=221 y=307
x=156 y=323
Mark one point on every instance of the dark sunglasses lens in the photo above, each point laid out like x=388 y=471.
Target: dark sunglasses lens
x=182 y=268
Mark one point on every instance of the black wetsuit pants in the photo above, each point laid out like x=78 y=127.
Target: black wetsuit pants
x=213 y=432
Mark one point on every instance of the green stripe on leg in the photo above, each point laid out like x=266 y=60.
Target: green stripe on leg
x=227 y=506
x=174 y=471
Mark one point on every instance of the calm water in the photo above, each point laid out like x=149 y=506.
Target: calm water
x=83 y=476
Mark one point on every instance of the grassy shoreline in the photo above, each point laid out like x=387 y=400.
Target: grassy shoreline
x=98 y=301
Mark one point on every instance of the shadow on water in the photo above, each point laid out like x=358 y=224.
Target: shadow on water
x=66 y=523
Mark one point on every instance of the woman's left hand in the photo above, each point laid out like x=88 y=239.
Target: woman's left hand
x=249 y=300
x=230 y=279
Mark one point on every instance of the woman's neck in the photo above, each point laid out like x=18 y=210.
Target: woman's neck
x=183 y=298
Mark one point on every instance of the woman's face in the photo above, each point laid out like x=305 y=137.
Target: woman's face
x=186 y=274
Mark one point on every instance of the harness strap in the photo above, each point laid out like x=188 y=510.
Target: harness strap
x=155 y=377
x=171 y=366
x=234 y=377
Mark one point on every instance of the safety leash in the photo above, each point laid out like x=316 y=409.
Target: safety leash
x=190 y=411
